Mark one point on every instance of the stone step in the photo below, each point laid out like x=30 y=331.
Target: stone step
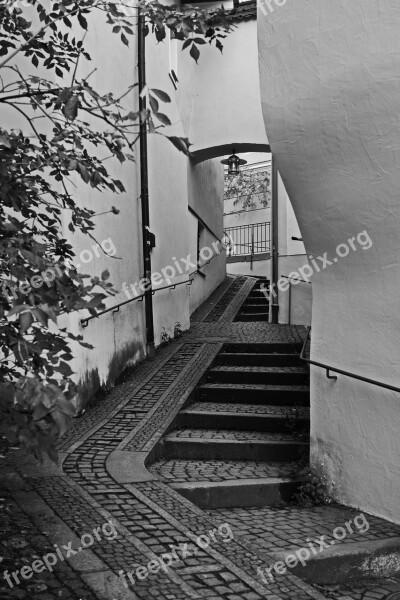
x=219 y=471
x=249 y=307
x=257 y=359
x=258 y=293
x=260 y=347
x=238 y=494
x=256 y=300
x=349 y=562
x=265 y=375
x=278 y=395
x=245 y=317
x=214 y=444
x=238 y=417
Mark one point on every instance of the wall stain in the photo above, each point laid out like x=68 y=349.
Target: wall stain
x=92 y=389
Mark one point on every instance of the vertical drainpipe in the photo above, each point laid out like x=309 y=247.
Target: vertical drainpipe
x=144 y=183
x=275 y=243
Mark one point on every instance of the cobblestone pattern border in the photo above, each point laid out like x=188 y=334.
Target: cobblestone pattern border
x=208 y=306
x=230 y=297
x=237 y=301
x=99 y=414
x=151 y=429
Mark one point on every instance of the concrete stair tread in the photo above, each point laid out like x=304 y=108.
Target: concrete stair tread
x=256 y=369
x=259 y=387
x=251 y=354
x=245 y=313
x=181 y=471
x=262 y=347
x=244 y=409
x=255 y=305
x=216 y=435
x=262 y=359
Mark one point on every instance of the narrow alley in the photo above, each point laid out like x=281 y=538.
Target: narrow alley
x=192 y=462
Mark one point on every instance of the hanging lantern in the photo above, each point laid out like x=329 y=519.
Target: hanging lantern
x=234 y=163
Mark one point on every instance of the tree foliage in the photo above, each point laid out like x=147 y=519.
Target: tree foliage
x=37 y=162
x=248 y=188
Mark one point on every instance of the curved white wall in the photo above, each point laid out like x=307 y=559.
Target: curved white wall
x=330 y=84
x=223 y=105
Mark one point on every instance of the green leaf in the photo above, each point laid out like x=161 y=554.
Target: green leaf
x=163 y=118
x=70 y=108
x=40 y=411
x=82 y=21
x=186 y=44
x=5 y=141
x=7 y=393
x=163 y=96
x=182 y=144
x=25 y=321
x=195 y=52
x=64 y=369
x=160 y=33
x=18 y=309
x=154 y=104
x=41 y=316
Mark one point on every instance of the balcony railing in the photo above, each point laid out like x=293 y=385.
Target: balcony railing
x=248 y=240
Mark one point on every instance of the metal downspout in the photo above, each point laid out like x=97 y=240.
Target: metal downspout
x=144 y=183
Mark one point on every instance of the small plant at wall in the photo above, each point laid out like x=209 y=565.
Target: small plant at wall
x=313 y=490
x=165 y=336
x=178 y=330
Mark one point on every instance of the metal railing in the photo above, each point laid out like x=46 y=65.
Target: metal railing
x=329 y=368
x=116 y=307
x=248 y=239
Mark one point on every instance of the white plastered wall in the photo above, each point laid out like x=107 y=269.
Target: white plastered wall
x=330 y=86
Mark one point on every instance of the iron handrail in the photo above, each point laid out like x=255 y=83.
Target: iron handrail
x=296 y=278
x=329 y=368
x=116 y=307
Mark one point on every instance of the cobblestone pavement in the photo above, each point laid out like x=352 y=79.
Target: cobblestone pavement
x=274 y=528
x=253 y=409
x=46 y=506
x=218 y=434
x=386 y=589
x=261 y=370
x=181 y=471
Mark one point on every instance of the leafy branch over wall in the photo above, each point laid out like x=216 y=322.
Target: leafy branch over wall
x=57 y=141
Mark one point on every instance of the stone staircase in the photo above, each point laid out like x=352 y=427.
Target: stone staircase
x=238 y=448
x=244 y=435
x=256 y=305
